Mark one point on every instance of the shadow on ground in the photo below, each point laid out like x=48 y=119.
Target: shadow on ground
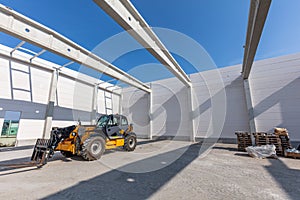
x=25 y=162
x=288 y=179
x=117 y=184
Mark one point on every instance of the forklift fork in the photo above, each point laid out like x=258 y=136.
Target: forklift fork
x=41 y=152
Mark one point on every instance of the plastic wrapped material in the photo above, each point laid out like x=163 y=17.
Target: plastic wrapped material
x=293 y=150
x=263 y=151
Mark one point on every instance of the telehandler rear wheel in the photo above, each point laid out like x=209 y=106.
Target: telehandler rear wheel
x=130 y=142
x=93 y=148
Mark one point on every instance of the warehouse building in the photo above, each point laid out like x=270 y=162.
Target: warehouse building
x=37 y=94
x=25 y=91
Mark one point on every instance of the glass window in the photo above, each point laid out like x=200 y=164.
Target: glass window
x=116 y=120
x=124 y=121
x=11 y=124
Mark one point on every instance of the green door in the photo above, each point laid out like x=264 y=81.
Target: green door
x=10 y=128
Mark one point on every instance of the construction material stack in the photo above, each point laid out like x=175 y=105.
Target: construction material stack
x=284 y=137
x=243 y=139
x=262 y=138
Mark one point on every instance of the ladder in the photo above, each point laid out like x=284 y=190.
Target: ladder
x=108 y=103
x=27 y=71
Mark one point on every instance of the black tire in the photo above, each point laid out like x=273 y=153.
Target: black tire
x=130 y=142
x=67 y=154
x=93 y=148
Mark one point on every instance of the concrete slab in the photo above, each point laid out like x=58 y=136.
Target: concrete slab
x=156 y=170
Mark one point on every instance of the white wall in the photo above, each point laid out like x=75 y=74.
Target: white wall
x=275 y=86
x=275 y=90
x=27 y=91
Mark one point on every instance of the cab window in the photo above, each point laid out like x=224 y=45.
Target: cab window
x=124 y=121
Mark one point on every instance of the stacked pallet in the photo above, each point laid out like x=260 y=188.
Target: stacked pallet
x=285 y=142
x=262 y=138
x=284 y=137
x=244 y=140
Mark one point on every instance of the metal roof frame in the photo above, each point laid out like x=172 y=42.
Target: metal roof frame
x=126 y=15
x=257 y=16
x=33 y=32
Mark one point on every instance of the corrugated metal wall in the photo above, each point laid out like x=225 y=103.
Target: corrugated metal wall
x=275 y=92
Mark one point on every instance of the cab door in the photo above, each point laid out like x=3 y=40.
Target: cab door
x=123 y=123
x=113 y=128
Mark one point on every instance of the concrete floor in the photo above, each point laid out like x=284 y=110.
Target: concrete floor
x=155 y=170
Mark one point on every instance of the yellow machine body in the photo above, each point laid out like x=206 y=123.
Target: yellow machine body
x=69 y=143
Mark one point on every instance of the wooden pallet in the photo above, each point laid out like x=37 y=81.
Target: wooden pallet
x=285 y=142
x=244 y=140
x=292 y=154
x=262 y=138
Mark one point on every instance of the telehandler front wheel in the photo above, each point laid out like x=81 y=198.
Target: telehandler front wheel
x=130 y=142
x=93 y=148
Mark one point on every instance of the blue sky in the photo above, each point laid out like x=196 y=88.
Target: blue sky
x=218 y=25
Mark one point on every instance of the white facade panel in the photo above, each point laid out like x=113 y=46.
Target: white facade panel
x=275 y=92
x=41 y=81
x=30 y=89
x=275 y=87
x=5 y=83
x=30 y=129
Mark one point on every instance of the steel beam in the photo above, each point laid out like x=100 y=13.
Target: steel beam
x=67 y=64
x=62 y=73
x=125 y=14
x=30 y=31
x=38 y=54
x=18 y=46
x=257 y=16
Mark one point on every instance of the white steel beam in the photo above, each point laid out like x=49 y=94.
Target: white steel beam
x=18 y=46
x=67 y=64
x=257 y=16
x=30 y=31
x=38 y=54
x=61 y=73
x=125 y=14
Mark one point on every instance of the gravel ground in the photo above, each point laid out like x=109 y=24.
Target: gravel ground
x=155 y=170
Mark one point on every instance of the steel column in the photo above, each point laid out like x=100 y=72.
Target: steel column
x=249 y=105
x=94 y=105
x=50 y=105
x=150 y=114
x=191 y=113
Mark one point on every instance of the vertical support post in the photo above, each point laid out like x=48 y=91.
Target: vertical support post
x=192 y=117
x=150 y=113
x=50 y=105
x=120 y=103
x=94 y=104
x=249 y=105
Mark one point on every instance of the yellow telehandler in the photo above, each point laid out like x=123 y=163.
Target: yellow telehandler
x=88 y=141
